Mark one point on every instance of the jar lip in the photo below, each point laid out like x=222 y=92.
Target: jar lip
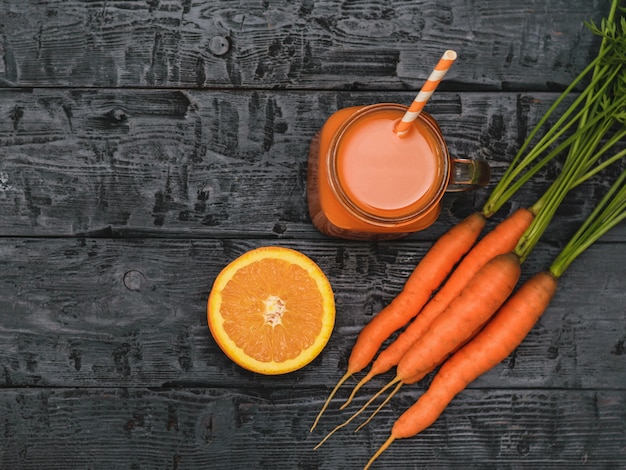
x=402 y=215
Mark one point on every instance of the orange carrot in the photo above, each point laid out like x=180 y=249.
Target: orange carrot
x=508 y=328
x=461 y=320
x=427 y=276
x=492 y=345
x=469 y=311
x=502 y=239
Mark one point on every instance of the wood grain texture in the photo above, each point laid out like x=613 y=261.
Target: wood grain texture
x=520 y=44
x=230 y=429
x=217 y=163
x=101 y=312
x=145 y=144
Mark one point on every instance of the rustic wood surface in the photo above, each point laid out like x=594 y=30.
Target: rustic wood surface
x=145 y=144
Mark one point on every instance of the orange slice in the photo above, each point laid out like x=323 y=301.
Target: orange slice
x=271 y=310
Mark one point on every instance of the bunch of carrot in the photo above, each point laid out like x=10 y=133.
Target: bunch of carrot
x=468 y=319
x=510 y=325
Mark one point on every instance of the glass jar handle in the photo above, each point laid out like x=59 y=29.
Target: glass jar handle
x=467 y=174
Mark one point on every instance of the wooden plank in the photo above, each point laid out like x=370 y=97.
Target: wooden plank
x=144 y=145
x=103 y=312
x=230 y=429
x=205 y=164
x=520 y=44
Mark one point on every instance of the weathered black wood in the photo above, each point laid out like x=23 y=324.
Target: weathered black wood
x=145 y=144
x=231 y=429
x=520 y=44
x=96 y=312
x=209 y=164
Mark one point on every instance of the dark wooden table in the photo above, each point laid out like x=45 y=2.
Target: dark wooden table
x=145 y=144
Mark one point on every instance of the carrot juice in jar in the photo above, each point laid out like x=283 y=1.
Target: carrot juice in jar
x=367 y=181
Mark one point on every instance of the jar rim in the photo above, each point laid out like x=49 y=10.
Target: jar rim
x=402 y=215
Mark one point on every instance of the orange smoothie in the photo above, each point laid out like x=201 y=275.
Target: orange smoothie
x=367 y=182
x=387 y=174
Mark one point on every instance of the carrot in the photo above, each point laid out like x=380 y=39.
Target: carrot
x=502 y=239
x=464 y=316
x=469 y=311
x=425 y=278
x=476 y=303
x=493 y=344
x=510 y=325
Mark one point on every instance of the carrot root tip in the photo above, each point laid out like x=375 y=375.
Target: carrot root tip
x=330 y=397
x=375 y=412
x=357 y=387
x=381 y=449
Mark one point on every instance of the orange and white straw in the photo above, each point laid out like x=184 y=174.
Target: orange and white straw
x=426 y=92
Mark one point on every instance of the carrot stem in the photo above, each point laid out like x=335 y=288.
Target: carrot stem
x=601 y=112
x=609 y=161
x=604 y=69
x=608 y=213
x=507 y=187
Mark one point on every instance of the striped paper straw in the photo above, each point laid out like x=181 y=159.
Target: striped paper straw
x=426 y=92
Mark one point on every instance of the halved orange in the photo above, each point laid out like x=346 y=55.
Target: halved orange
x=271 y=310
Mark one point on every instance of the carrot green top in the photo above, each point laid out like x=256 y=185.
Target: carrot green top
x=609 y=212
x=588 y=120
